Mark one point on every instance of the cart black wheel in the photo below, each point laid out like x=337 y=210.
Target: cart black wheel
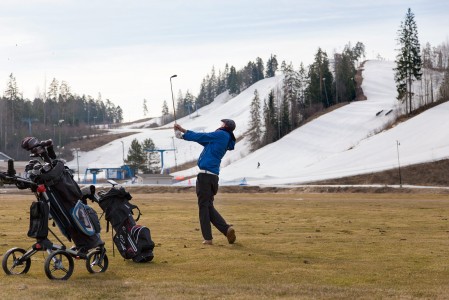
x=97 y=261
x=13 y=262
x=59 y=265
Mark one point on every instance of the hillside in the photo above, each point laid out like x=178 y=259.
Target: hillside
x=424 y=174
x=347 y=141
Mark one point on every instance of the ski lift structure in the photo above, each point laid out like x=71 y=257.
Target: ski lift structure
x=122 y=172
x=161 y=151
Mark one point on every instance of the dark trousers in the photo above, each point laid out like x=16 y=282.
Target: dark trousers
x=206 y=189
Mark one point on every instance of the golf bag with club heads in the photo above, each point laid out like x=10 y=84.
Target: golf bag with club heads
x=132 y=240
x=75 y=219
x=58 y=198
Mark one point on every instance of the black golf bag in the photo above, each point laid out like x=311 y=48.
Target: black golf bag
x=62 y=196
x=133 y=241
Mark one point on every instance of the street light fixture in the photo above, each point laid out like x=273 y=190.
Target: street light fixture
x=173 y=98
x=123 y=151
x=325 y=91
x=59 y=144
x=77 y=162
x=353 y=85
x=399 y=163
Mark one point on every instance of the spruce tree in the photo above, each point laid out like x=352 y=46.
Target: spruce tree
x=291 y=93
x=165 y=113
x=302 y=77
x=201 y=98
x=284 y=118
x=272 y=66
x=270 y=119
x=260 y=69
x=255 y=122
x=189 y=102
x=233 y=82
x=320 y=80
x=345 y=72
x=136 y=156
x=408 y=60
x=211 y=87
x=152 y=160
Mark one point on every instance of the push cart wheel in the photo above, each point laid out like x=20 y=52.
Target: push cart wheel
x=97 y=261
x=59 y=265
x=13 y=262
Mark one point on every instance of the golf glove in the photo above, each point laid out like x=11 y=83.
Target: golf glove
x=178 y=134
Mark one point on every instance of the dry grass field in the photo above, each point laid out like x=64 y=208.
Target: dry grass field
x=289 y=246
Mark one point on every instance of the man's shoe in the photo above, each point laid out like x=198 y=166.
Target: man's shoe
x=230 y=234
x=207 y=242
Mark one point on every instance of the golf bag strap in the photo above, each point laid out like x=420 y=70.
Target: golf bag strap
x=136 y=207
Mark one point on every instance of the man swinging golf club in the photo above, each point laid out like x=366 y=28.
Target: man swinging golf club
x=215 y=146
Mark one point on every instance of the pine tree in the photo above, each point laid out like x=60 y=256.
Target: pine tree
x=345 y=72
x=152 y=161
x=270 y=119
x=408 y=60
x=11 y=95
x=233 y=82
x=118 y=116
x=320 y=80
x=302 y=76
x=260 y=69
x=53 y=90
x=64 y=93
x=136 y=156
x=211 y=86
x=284 y=118
x=189 y=101
x=201 y=99
x=255 y=122
x=165 y=113
x=181 y=108
x=291 y=93
x=272 y=66
x=15 y=98
x=248 y=75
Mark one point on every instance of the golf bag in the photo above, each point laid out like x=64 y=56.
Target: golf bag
x=77 y=221
x=57 y=189
x=133 y=241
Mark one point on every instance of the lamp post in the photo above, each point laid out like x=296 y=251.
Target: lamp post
x=123 y=151
x=325 y=90
x=77 y=162
x=399 y=163
x=59 y=144
x=173 y=98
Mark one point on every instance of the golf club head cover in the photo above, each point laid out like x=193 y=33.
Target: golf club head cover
x=29 y=143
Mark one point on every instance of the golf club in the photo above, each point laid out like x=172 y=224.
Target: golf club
x=172 y=98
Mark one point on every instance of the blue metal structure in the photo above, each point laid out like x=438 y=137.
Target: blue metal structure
x=161 y=151
x=123 y=172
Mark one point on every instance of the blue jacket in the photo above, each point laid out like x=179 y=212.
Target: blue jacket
x=215 y=146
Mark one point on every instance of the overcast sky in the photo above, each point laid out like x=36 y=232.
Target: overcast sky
x=127 y=50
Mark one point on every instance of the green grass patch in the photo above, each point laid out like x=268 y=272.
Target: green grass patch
x=307 y=246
